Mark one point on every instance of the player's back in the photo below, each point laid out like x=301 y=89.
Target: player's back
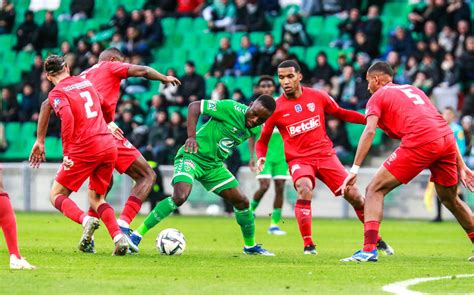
x=406 y=112
x=91 y=135
x=106 y=77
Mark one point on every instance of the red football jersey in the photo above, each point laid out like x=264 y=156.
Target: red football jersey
x=406 y=113
x=83 y=129
x=301 y=123
x=106 y=77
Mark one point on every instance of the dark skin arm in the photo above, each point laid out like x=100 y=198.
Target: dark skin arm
x=194 y=110
x=252 y=152
x=151 y=74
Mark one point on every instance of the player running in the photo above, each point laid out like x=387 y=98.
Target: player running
x=202 y=158
x=405 y=112
x=89 y=151
x=275 y=167
x=106 y=77
x=8 y=225
x=300 y=118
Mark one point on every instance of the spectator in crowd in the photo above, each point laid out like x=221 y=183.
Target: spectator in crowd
x=362 y=44
x=424 y=82
x=466 y=123
x=170 y=91
x=250 y=17
x=7 y=17
x=96 y=48
x=220 y=92
x=193 y=86
x=338 y=135
x=401 y=42
x=323 y=71
x=162 y=8
x=458 y=10
x=79 y=9
x=117 y=42
x=239 y=96
x=265 y=54
x=220 y=15
x=468 y=107
x=361 y=65
x=157 y=136
x=435 y=11
x=393 y=59
x=462 y=33
x=151 y=30
x=177 y=135
x=82 y=54
x=271 y=7
x=410 y=70
x=373 y=26
x=34 y=75
x=10 y=109
x=224 y=60
x=65 y=48
x=120 y=20
x=136 y=18
x=437 y=51
x=294 y=31
x=245 y=61
x=279 y=56
x=125 y=122
x=429 y=31
x=445 y=94
x=348 y=28
x=190 y=8
x=47 y=33
x=466 y=61
x=430 y=67
x=447 y=39
x=29 y=104
x=421 y=49
x=134 y=45
x=157 y=103
x=26 y=33
x=346 y=85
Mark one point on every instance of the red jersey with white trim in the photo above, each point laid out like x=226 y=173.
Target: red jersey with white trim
x=83 y=129
x=301 y=123
x=106 y=77
x=406 y=113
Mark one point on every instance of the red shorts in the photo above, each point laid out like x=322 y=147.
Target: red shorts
x=127 y=154
x=440 y=156
x=98 y=167
x=328 y=169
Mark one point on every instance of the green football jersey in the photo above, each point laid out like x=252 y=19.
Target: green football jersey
x=225 y=130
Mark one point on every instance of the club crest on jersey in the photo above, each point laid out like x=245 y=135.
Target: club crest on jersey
x=56 y=102
x=298 y=108
x=211 y=106
x=311 y=107
x=294 y=168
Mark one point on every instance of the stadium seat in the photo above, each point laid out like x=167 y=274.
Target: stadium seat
x=210 y=84
x=245 y=84
x=168 y=25
x=299 y=51
x=235 y=40
x=257 y=38
x=199 y=25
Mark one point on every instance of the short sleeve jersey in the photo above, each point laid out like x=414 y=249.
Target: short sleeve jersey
x=225 y=130
x=106 y=77
x=406 y=113
x=91 y=135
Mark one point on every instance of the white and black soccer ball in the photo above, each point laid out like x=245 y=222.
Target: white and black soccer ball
x=171 y=241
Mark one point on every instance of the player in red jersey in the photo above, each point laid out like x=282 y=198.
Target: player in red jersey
x=300 y=118
x=405 y=112
x=89 y=151
x=8 y=225
x=106 y=77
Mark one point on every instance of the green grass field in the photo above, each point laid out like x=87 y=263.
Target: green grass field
x=213 y=263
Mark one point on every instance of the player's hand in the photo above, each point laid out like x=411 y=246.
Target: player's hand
x=349 y=182
x=67 y=163
x=116 y=131
x=252 y=165
x=172 y=80
x=260 y=163
x=37 y=155
x=467 y=178
x=191 y=145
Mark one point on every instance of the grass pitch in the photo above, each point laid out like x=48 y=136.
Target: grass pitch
x=213 y=262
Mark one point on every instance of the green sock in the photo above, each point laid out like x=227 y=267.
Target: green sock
x=254 y=204
x=160 y=212
x=247 y=224
x=276 y=216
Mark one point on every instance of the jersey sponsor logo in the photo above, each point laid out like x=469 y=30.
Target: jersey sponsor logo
x=127 y=144
x=56 y=102
x=239 y=109
x=226 y=144
x=311 y=107
x=294 y=168
x=298 y=108
x=303 y=126
x=211 y=105
x=79 y=85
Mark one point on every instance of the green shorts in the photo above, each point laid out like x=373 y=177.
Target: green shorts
x=275 y=170
x=187 y=169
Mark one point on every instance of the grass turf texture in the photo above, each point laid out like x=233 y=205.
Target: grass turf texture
x=213 y=262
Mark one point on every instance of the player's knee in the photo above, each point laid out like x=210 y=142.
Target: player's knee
x=179 y=198
x=264 y=185
x=304 y=190
x=241 y=203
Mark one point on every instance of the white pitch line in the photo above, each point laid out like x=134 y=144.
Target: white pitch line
x=400 y=288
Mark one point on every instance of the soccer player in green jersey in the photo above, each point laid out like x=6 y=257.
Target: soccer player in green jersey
x=202 y=159
x=275 y=166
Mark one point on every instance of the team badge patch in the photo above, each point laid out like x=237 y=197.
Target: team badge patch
x=211 y=106
x=311 y=107
x=294 y=168
x=298 y=108
x=56 y=102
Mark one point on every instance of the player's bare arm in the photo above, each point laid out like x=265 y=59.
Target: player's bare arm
x=194 y=110
x=38 y=152
x=349 y=116
x=363 y=148
x=152 y=74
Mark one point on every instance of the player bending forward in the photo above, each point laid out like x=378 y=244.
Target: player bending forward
x=300 y=118
x=89 y=151
x=202 y=158
x=405 y=112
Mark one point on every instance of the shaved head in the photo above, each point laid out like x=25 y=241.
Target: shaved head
x=111 y=54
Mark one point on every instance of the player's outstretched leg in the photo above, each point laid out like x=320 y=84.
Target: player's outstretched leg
x=264 y=184
x=450 y=199
x=245 y=219
x=162 y=210
x=303 y=213
x=59 y=197
x=274 y=228
x=144 y=177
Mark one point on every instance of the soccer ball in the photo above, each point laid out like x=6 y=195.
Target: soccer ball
x=171 y=241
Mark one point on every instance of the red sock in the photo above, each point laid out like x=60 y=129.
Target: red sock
x=107 y=215
x=360 y=215
x=304 y=217
x=8 y=224
x=92 y=213
x=132 y=206
x=69 y=208
x=471 y=236
x=371 y=233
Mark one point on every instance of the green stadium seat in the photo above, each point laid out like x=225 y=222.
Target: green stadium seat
x=24 y=60
x=235 y=40
x=230 y=82
x=299 y=51
x=210 y=84
x=257 y=38
x=168 y=25
x=199 y=25
x=245 y=84
x=184 y=24
x=354 y=131
x=314 y=26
